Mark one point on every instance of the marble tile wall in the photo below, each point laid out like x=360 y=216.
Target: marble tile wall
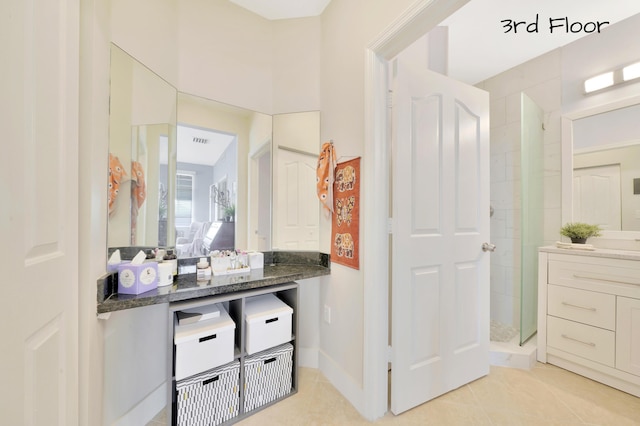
x=540 y=79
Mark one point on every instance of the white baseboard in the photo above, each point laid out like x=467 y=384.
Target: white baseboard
x=308 y=357
x=352 y=391
x=146 y=410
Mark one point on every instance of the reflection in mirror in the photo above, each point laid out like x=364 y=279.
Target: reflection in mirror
x=142 y=136
x=606 y=165
x=217 y=201
x=296 y=210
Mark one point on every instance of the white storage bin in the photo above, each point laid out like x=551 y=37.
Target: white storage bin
x=268 y=376
x=204 y=345
x=268 y=322
x=209 y=398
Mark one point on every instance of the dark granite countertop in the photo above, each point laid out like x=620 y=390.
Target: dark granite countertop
x=280 y=267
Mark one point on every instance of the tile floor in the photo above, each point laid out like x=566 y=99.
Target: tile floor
x=545 y=395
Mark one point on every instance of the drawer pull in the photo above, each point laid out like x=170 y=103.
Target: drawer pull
x=579 y=307
x=585 y=277
x=593 y=345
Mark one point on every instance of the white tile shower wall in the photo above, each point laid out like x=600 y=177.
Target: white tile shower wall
x=540 y=80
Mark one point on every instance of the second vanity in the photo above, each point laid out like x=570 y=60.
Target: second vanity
x=239 y=380
x=589 y=314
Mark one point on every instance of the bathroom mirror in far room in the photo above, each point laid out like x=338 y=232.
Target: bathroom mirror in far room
x=604 y=181
x=142 y=134
x=223 y=197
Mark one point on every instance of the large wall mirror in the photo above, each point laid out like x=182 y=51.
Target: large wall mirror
x=142 y=138
x=216 y=176
x=604 y=175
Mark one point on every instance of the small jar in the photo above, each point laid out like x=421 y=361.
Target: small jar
x=170 y=257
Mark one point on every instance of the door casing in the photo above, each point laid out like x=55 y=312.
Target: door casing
x=416 y=21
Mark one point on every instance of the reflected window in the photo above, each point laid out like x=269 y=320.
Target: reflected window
x=223 y=200
x=184 y=199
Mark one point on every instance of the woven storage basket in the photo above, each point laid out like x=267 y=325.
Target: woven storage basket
x=268 y=376
x=209 y=398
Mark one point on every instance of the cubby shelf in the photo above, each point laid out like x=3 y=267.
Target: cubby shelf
x=234 y=303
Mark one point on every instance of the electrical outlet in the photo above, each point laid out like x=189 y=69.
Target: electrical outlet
x=327 y=314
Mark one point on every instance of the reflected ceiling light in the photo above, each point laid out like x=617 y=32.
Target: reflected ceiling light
x=631 y=71
x=598 y=82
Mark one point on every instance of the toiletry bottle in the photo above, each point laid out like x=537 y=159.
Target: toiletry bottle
x=203 y=271
x=173 y=259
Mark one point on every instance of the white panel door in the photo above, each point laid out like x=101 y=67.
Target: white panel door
x=440 y=278
x=39 y=212
x=596 y=196
x=297 y=210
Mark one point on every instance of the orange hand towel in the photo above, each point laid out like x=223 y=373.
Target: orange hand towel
x=325 y=175
x=139 y=188
x=116 y=177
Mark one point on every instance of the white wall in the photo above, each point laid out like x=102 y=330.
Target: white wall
x=225 y=54
x=147 y=30
x=595 y=54
x=348 y=26
x=95 y=36
x=296 y=65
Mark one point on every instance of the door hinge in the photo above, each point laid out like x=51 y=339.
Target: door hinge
x=390 y=99
x=390 y=225
x=389 y=354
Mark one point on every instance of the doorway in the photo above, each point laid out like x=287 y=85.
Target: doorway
x=414 y=23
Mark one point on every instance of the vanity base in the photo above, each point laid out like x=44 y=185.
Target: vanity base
x=588 y=322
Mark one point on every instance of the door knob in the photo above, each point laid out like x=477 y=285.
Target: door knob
x=488 y=247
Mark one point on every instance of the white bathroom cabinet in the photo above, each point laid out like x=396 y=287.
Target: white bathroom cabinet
x=235 y=304
x=589 y=314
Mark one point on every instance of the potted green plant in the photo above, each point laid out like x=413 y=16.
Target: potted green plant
x=578 y=232
x=230 y=212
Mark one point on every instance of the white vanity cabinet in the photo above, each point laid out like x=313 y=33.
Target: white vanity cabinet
x=589 y=314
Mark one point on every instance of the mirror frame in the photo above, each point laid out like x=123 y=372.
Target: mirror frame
x=622 y=240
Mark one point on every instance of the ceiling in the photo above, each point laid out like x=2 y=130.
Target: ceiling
x=283 y=9
x=478 y=46
x=201 y=146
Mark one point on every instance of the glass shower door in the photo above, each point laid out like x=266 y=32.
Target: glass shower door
x=532 y=216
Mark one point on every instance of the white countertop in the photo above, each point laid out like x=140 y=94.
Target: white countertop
x=596 y=252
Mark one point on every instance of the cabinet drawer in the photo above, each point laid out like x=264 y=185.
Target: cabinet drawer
x=588 y=307
x=619 y=277
x=582 y=340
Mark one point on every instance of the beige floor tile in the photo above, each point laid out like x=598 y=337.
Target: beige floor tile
x=545 y=396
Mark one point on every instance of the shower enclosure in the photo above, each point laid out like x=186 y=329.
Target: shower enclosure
x=517 y=223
